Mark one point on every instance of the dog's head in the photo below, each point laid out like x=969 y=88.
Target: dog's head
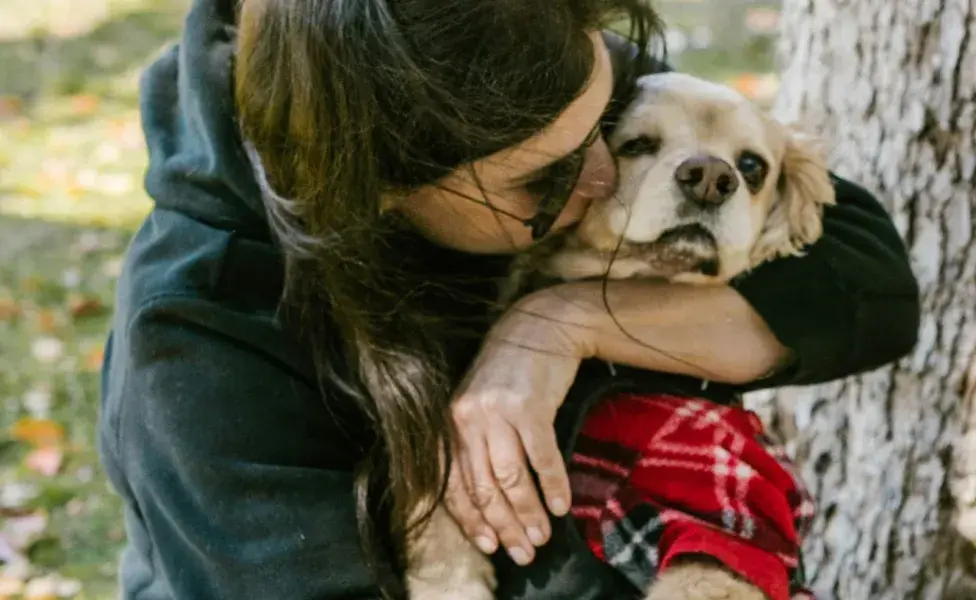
x=709 y=186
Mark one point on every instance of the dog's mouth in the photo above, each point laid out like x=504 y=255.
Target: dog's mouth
x=687 y=248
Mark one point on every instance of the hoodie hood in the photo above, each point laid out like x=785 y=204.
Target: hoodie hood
x=197 y=163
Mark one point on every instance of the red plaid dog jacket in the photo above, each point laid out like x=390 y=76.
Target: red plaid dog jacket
x=655 y=477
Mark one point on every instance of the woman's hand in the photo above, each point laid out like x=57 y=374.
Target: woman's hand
x=503 y=414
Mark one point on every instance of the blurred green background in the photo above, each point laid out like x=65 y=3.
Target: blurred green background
x=71 y=166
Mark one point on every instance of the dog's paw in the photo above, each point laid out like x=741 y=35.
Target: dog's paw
x=444 y=565
x=693 y=581
x=448 y=589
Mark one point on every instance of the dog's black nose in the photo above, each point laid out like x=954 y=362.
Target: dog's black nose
x=706 y=180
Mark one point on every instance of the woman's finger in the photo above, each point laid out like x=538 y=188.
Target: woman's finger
x=542 y=448
x=515 y=480
x=457 y=499
x=494 y=507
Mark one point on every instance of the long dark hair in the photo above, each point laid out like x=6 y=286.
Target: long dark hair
x=349 y=101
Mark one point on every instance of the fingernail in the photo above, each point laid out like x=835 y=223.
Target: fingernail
x=520 y=556
x=535 y=536
x=485 y=544
x=558 y=507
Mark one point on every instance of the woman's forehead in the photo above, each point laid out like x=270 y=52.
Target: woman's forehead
x=564 y=135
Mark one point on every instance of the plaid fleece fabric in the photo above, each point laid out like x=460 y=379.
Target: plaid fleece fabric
x=655 y=477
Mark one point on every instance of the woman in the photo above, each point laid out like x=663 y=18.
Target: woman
x=300 y=320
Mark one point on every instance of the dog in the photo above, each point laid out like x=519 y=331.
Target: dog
x=709 y=187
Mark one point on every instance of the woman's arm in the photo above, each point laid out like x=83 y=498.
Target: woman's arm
x=708 y=332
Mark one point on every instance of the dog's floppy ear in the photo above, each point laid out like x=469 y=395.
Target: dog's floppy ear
x=804 y=188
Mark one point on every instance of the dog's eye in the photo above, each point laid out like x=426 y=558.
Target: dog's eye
x=640 y=146
x=753 y=169
x=750 y=163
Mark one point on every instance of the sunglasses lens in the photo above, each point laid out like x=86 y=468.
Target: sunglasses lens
x=565 y=176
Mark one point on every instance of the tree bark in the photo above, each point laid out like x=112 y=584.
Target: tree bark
x=891 y=455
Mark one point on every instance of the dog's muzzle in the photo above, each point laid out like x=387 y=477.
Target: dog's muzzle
x=684 y=249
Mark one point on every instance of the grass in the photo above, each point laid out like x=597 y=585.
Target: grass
x=70 y=143
x=56 y=284
x=72 y=159
x=71 y=165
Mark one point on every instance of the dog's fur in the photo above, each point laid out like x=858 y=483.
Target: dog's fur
x=651 y=228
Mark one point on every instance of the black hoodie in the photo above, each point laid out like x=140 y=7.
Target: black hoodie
x=237 y=477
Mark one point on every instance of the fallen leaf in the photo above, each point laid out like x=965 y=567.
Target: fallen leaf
x=108 y=153
x=6 y=512
x=746 y=83
x=16 y=569
x=88 y=241
x=47 y=349
x=82 y=307
x=42 y=588
x=84 y=105
x=75 y=507
x=68 y=588
x=126 y=131
x=74 y=191
x=55 y=172
x=93 y=360
x=10 y=587
x=7 y=555
x=85 y=474
x=50 y=587
x=38 y=401
x=20 y=532
x=19 y=125
x=87 y=178
x=116 y=184
x=14 y=495
x=45 y=460
x=10 y=107
x=9 y=310
x=46 y=320
x=71 y=278
x=113 y=267
x=39 y=433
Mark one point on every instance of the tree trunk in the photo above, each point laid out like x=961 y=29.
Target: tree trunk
x=891 y=455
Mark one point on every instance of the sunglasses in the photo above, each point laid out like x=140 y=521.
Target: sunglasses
x=555 y=185
x=560 y=179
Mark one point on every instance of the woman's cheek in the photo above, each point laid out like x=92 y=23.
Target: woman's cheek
x=452 y=221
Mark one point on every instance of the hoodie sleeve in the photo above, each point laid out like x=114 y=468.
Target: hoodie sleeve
x=235 y=487
x=850 y=304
